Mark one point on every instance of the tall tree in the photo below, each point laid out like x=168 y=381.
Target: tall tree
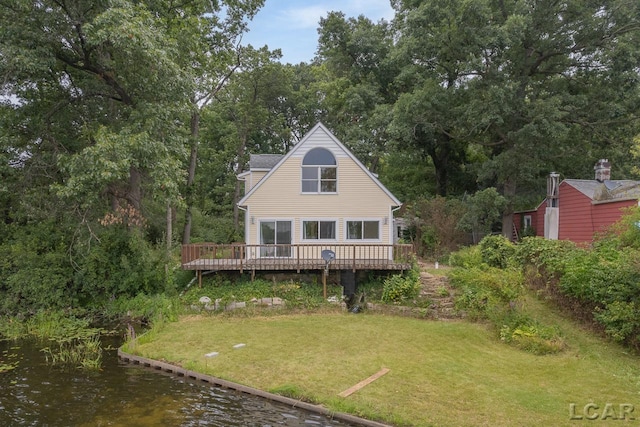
x=358 y=93
x=536 y=82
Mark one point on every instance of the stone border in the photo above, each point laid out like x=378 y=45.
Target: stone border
x=181 y=372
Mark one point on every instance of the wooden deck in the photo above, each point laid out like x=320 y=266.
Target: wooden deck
x=240 y=257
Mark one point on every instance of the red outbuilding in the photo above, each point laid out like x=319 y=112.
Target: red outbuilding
x=576 y=209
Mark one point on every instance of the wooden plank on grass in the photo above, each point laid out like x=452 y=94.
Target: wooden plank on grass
x=363 y=383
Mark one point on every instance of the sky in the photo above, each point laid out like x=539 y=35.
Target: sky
x=292 y=25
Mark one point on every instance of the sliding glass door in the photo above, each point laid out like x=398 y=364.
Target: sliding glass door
x=275 y=233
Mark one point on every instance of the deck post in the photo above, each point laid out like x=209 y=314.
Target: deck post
x=199 y=272
x=354 y=258
x=325 y=273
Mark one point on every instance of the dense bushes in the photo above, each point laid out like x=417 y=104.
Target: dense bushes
x=490 y=288
x=400 y=288
x=48 y=265
x=602 y=280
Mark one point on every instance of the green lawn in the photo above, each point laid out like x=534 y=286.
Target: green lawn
x=441 y=373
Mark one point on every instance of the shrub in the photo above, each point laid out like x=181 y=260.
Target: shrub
x=497 y=251
x=530 y=336
x=525 y=333
x=621 y=320
x=486 y=293
x=549 y=257
x=399 y=288
x=467 y=257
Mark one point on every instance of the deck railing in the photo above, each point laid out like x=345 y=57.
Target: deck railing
x=238 y=256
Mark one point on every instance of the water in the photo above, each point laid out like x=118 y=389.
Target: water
x=121 y=394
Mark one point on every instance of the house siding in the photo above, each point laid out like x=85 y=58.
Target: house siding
x=360 y=196
x=357 y=197
x=575 y=219
x=605 y=214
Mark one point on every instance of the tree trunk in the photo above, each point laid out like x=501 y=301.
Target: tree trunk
x=507 y=215
x=191 y=176
x=236 y=197
x=134 y=193
x=169 y=225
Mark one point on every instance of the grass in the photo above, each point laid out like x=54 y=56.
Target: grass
x=442 y=373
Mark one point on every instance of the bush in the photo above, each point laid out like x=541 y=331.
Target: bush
x=497 y=251
x=486 y=293
x=548 y=257
x=399 y=288
x=467 y=257
x=530 y=336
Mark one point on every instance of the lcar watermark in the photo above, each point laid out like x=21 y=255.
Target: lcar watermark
x=607 y=411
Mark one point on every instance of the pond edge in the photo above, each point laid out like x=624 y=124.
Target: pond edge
x=181 y=372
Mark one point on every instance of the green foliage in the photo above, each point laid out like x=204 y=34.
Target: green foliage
x=484 y=209
x=433 y=226
x=548 y=256
x=72 y=342
x=35 y=272
x=486 y=292
x=8 y=361
x=602 y=279
x=399 y=288
x=492 y=293
x=76 y=352
x=621 y=320
x=497 y=251
x=122 y=263
x=531 y=336
x=295 y=293
x=153 y=308
x=466 y=257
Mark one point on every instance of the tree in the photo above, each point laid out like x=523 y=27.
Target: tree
x=484 y=209
x=357 y=96
x=97 y=101
x=536 y=84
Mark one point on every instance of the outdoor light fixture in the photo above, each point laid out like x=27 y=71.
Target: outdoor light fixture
x=253 y=220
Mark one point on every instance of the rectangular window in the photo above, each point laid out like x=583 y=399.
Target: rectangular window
x=527 y=221
x=363 y=230
x=319 y=230
x=319 y=179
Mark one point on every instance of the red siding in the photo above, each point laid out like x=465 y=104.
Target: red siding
x=576 y=223
x=518 y=221
x=605 y=214
x=538 y=221
x=579 y=218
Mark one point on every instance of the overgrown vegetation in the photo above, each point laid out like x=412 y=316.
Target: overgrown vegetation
x=597 y=284
x=400 y=288
x=490 y=288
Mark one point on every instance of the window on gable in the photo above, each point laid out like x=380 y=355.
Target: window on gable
x=363 y=230
x=319 y=172
x=319 y=230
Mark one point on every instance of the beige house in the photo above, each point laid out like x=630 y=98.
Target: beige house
x=316 y=196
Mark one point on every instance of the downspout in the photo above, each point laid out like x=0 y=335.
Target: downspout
x=392 y=231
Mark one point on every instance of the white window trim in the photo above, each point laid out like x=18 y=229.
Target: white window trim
x=319 y=180
x=524 y=220
x=345 y=230
x=303 y=220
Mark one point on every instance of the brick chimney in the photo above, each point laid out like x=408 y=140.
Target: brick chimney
x=603 y=170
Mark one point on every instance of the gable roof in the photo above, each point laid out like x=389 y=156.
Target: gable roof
x=607 y=191
x=318 y=127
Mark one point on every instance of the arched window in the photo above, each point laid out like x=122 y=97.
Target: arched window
x=319 y=172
